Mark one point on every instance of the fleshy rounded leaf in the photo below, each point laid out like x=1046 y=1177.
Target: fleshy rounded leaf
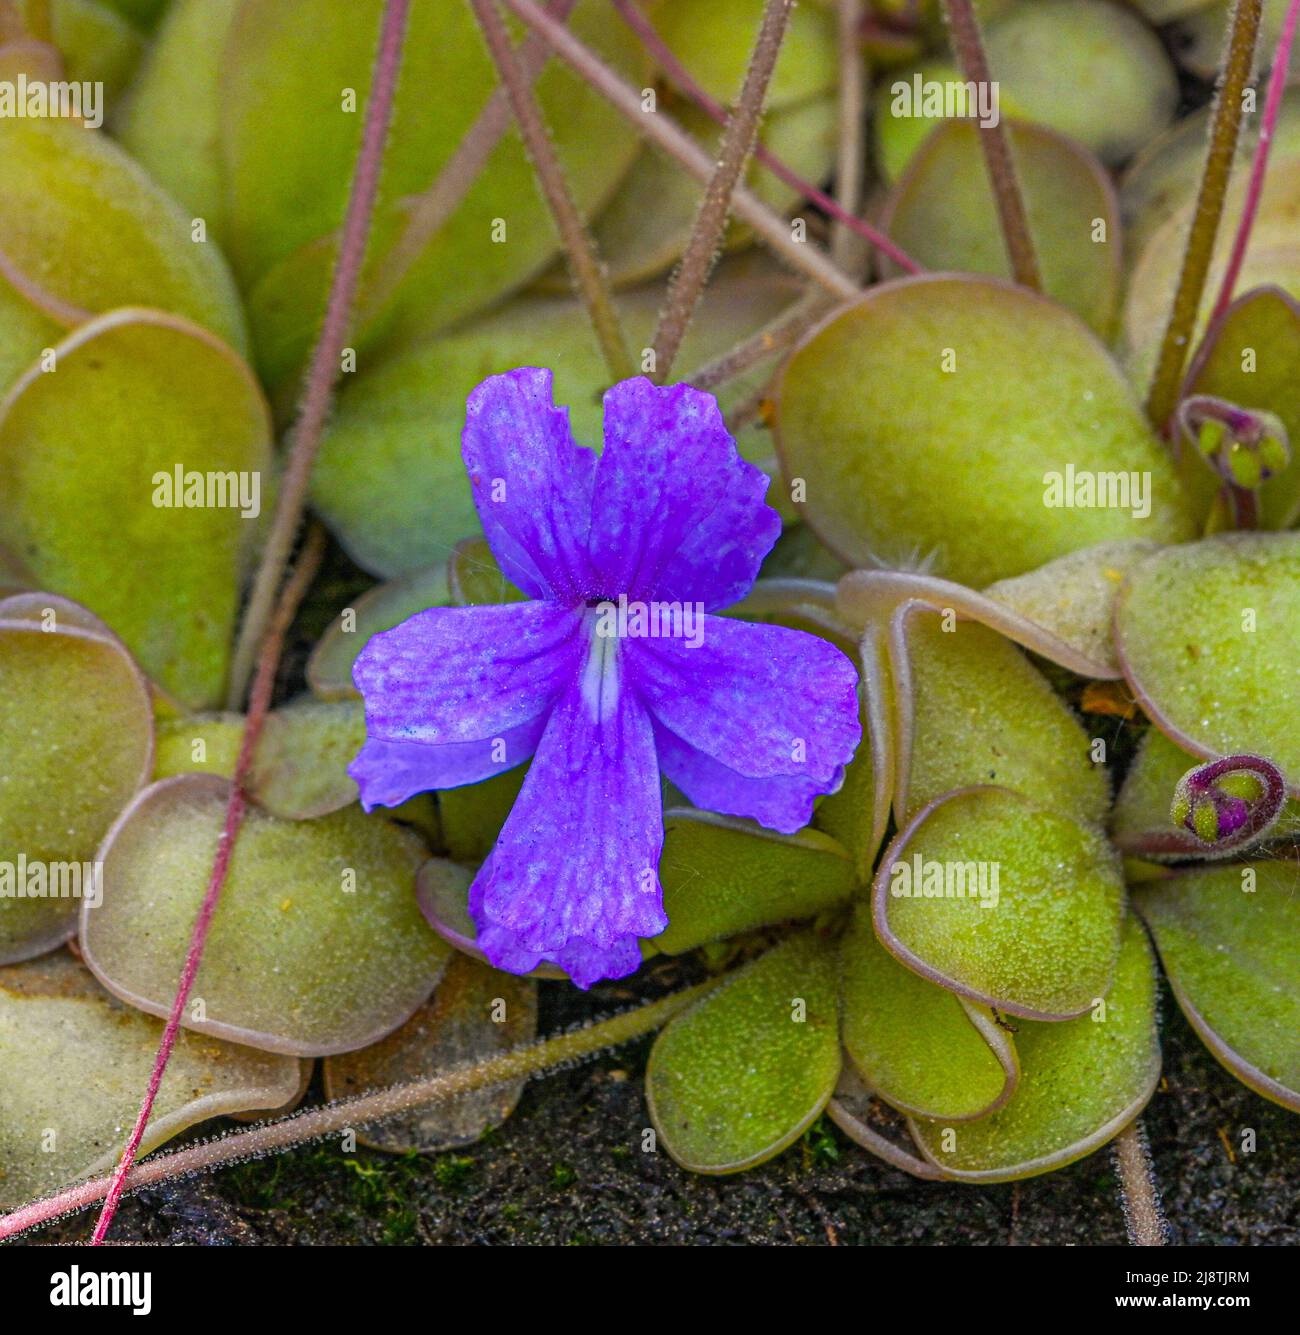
x=743 y=1073
x=76 y=741
x=318 y=947
x=917 y=1045
x=73 y=1062
x=722 y=877
x=1227 y=938
x=89 y=460
x=1081 y=1083
x=923 y=379
x=1004 y=902
x=1209 y=636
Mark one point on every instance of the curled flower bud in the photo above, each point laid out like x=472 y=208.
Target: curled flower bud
x=1244 y=446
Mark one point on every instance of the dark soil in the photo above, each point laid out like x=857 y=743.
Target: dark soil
x=568 y=1168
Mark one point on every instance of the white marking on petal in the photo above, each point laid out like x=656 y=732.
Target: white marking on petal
x=602 y=673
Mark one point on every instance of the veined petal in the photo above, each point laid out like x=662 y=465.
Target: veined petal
x=532 y=484
x=574 y=876
x=676 y=513
x=456 y=694
x=389 y=773
x=771 y=705
x=779 y=802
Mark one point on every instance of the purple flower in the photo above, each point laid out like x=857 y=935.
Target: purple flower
x=615 y=673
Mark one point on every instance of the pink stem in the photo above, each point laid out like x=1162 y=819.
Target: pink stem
x=267 y=618
x=679 y=75
x=1259 y=167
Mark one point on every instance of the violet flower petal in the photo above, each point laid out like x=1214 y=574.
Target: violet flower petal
x=677 y=514
x=574 y=875
x=532 y=484
x=764 y=702
x=390 y=773
x=469 y=687
x=781 y=803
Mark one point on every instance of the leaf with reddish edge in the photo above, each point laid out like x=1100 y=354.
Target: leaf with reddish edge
x=138 y=395
x=918 y=1046
x=972 y=709
x=1082 y=1081
x=1044 y=945
x=475 y=1013
x=442 y=892
x=723 y=876
x=875 y=1126
x=740 y=1076
x=879 y=605
x=1227 y=939
x=922 y=380
x=942 y=212
x=72 y=1061
x=1073 y=599
x=296 y=962
x=77 y=739
x=1209 y=637
x=85 y=230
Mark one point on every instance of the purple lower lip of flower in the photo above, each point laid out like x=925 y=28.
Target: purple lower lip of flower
x=752 y=720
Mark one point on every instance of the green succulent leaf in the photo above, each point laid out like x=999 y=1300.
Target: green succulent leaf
x=76 y=737
x=917 y=1045
x=926 y=379
x=743 y=1073
x=171 y=121
x=73 y=1060
x=319 y=946
x=289 y=139
x=474 y=1014
x=1227 y=939
x=1081 y=1082
x=723 y=876
x=982 y=714
x=1004 y=901
x=942 y=213
x=300 y=770
x=1209 y=635
x=86 y=454
x=84 y=230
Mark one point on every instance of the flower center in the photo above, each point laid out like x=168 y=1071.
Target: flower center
x=602 y=671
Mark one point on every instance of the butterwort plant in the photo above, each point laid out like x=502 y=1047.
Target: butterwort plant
x=747 y=719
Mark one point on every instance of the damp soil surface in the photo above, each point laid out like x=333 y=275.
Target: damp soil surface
x=569 y=1169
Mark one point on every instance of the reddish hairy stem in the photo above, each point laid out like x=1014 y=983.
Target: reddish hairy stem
x=431 y=208
x=271 y=607
x=1259 y=166
x=326 y=360
x=376 y=1105
x=580 y=250
x=236 y=807
x=674 y=141
x=1225 y=127
x=706 y=234
x=680 y=77
x=996 y=144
